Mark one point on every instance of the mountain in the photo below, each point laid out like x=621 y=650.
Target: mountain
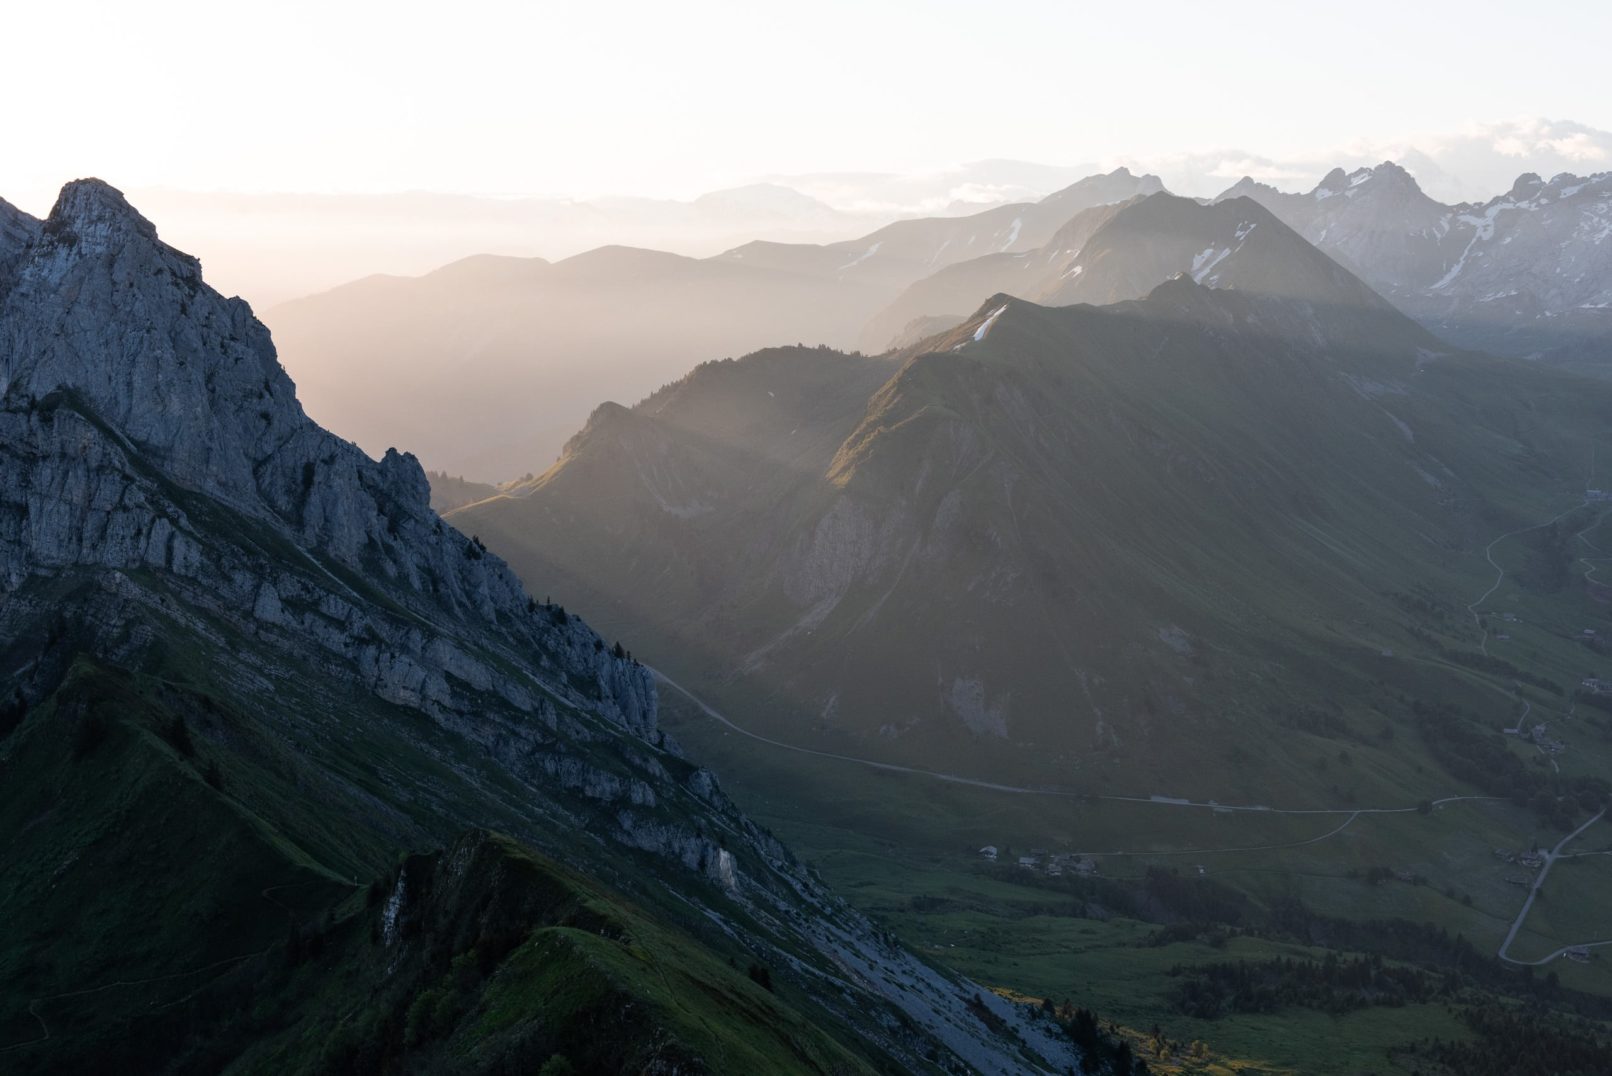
x=487 y=365
x=904 y=251
x=1122 y=251
x=1081 y=545
x=298 y=778
x=1527 y=273
x=272 y=247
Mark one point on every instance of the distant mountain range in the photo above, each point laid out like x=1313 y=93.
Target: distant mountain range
x=1069 y=540
x=298 y=778
x=486 y=366
x=1527 y=273
x=528 y=347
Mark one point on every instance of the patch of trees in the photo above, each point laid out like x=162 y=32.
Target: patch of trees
x=1433 y=949
x=1101 y=1050
x=1520 y=1042
x=1164 y=895
x=1486 y=663
x=1333 y=985
x=1424 y=604
x=1594 y=700
x=1317 y=722
x=1549 y=559
x=1483 y=759
x=1191 y=908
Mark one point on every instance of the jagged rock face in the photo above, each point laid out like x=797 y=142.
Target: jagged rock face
x=115 y=358
x=1526 y=273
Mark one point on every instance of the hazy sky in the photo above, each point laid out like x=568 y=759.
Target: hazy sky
x=671 y=99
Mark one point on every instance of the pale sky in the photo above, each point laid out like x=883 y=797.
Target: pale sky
x=674 y=98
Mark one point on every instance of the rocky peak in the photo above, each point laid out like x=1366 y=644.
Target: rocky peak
x=95 y=214
x=1385 y=179
x=1528 y=184
x=1243 y=188
x=1394 y=173
x=1334 y=181
x=1101 y=189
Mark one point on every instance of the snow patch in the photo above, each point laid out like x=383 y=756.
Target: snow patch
x=1013 y=232
x=985 y=327
x=870 y=252
x=1205 y=260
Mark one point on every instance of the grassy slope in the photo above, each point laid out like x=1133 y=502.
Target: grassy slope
x=223 y=861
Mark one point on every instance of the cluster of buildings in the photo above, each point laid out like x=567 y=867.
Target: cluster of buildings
x=1052 y=864
x=1540 y=737
x=1530 y=859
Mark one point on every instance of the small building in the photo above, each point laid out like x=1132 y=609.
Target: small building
x=1509 y=618
x=1531 y=859
x=988 y=852
x=1588 y=633
x=1027 y=862
x=1580 y=953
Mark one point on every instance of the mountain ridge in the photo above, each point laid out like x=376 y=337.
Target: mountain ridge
x=380 y=358
x=1097 y=468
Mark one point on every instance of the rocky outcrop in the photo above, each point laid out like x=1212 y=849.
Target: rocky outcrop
x=134 y=395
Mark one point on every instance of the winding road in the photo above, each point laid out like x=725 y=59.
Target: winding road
x=1533 y=892
x=1504 y=952
x=1500 y=573
x=1031 y=790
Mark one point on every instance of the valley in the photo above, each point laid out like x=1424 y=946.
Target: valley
x=907 y=853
